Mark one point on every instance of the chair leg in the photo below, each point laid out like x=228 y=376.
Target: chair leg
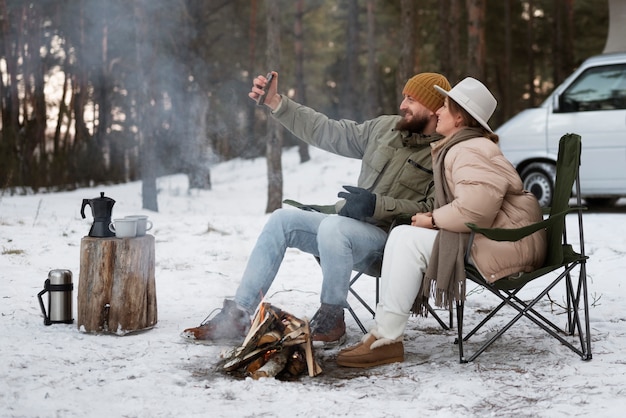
x=357 y=320
x=434 y=314
x=527 y=310
x=451 y=317
x=459 y=325
x=587 y=344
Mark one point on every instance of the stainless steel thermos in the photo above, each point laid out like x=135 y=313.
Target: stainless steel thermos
x=59 y=287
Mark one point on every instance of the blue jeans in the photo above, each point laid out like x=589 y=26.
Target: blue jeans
x=340 y=242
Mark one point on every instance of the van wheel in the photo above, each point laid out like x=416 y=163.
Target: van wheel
x=538 y=178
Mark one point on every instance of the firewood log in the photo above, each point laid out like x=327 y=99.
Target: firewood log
x=296 y=364
x=274 y=365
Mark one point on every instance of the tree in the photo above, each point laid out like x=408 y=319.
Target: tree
x=449 y=40
x=476 y=39
x=298 y=45
x=274 y=131
x=351 y=83
x=407 y=56
x=146 y=131
x=372 y=99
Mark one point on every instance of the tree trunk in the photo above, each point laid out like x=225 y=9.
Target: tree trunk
x=449 y=40
x=407 y=61
x=273 y=150
x=476 y=39
x=116 y=289
x=456 y=57
x=616 y=36
x=196 y=150
x=372 y=98
x=303 y=147
x=530 y=34
x=508 y=53
x=147 y=129
x=352 y=84
x=9 y=154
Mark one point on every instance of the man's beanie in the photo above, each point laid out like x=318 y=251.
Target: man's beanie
x=421 y=88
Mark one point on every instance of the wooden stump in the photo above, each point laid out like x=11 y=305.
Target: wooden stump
x=116 y=288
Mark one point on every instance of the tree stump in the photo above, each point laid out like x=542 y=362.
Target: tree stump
x=116 y=288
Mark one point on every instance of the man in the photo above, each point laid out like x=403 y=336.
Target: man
x=395 y=179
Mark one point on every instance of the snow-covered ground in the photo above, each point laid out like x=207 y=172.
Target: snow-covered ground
x=202 y=242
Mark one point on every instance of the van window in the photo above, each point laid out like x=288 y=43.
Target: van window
x=600 y=88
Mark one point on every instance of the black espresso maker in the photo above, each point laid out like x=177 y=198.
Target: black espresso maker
x=101 y=209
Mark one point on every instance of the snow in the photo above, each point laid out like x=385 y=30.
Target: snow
x=203 y=239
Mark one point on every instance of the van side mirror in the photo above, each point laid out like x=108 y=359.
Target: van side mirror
x=556 y=103
x=562 y=104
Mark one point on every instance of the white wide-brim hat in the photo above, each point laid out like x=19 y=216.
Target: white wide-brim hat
x=473 y=96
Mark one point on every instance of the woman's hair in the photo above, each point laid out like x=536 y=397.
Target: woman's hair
x=469 y=120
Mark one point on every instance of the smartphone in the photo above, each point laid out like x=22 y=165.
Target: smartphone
x=261 y=100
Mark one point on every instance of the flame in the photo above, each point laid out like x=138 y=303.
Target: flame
x=262 y=310
x=269 y=354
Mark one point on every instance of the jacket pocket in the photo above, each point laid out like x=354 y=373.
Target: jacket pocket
x=416 y=176
x=375 y=166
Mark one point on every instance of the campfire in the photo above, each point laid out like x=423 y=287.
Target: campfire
x=277 y=342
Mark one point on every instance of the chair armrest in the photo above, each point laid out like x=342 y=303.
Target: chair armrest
x=515 y=234
x=328 y=209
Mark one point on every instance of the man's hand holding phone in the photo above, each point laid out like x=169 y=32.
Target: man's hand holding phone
x=264 y=90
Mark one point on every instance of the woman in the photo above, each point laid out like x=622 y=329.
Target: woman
x=474 y=183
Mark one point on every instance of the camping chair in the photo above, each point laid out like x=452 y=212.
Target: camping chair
x=560 y=257
x=371 y=267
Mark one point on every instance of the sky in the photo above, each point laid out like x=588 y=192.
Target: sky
x=202 y=241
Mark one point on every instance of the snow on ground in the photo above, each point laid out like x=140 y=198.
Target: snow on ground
x=202 y=242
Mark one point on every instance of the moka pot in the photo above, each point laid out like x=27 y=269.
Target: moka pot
x=101 y=209
x=59 y=287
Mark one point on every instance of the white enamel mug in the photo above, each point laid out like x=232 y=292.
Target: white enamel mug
x=143 y=224
x=124 y=227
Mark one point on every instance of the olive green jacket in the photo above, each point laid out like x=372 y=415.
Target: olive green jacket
x=396 y=166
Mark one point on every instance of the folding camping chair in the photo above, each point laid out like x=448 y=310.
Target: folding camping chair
x=371 y=267
x=560 y=257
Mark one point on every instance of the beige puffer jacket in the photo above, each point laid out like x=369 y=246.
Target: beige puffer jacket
x=489 y=193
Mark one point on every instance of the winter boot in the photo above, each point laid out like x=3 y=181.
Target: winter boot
x=230 y=325
x=372 y=351
x=328 y=328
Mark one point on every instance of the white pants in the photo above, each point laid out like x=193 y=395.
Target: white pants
x=406 y=256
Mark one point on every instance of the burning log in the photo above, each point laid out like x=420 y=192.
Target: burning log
x=274 y=365
x=277 y=342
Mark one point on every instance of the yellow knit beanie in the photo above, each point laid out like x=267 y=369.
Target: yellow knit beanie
x=421 y=88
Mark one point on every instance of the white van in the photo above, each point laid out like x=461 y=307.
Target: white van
x=592 y=103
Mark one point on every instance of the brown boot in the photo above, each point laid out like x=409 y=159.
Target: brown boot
x=367 y=339
x=327 y=326
x=230 y=325
x=372 y=352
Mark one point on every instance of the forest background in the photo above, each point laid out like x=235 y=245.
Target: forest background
x=100 y=92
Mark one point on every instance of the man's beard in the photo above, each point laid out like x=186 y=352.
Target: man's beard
x=415 y=125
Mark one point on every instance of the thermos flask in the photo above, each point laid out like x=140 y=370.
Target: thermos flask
x=59 y=287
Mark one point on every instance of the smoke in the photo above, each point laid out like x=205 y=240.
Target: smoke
x=164 y=75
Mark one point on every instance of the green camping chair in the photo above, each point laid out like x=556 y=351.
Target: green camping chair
x=371 y=267
x=561 y=258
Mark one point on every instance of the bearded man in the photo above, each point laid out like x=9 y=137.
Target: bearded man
x=396 y=179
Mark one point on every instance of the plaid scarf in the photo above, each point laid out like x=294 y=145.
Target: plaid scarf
x=445 y=274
